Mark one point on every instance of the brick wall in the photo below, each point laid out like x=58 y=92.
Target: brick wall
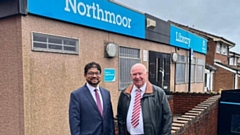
x=200 y=120
x=116 y=126
x=171 y=102
x=183 y=102
x=223 y=58
x=223 y=80
x=211 y=52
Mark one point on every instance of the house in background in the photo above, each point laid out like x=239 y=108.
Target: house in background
x=219 y=73
x=234 y=62
x=234 y=59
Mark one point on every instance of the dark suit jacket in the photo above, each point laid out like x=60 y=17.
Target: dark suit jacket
x=84 y=117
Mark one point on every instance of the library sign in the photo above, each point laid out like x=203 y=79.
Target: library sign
x=187 y=40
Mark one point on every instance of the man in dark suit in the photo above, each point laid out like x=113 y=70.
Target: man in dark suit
x=90 y=108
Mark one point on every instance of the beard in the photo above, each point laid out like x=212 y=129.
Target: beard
x=92 y=83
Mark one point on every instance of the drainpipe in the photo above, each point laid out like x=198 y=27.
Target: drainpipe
x=210 y=80
x=236 y=81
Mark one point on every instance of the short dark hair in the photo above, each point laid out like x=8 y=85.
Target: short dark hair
x=92 y=65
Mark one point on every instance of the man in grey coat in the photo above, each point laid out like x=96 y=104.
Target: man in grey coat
x=143 y=108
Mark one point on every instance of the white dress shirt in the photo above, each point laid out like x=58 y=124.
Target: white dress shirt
x=91 y=89
x=139 y=129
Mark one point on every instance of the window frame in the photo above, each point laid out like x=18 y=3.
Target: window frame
x=184 y=64
x=218 y=48
x=126 y=73
x=232 y=61
x=224 y=49
x=200 y=63
x=54 y=44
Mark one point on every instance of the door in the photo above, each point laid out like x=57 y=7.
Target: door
x=159 y=70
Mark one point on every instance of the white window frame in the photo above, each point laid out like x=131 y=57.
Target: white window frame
x=224 y=49
x=231 y=61
x=218 y=48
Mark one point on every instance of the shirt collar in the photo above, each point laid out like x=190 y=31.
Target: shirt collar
x=143 y=88
x=91 y=88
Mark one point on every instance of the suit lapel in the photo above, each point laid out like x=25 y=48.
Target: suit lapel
x=90 y=98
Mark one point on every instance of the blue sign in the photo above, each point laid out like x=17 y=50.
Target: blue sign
x=109 y=75
x=101 y=14
x=184 y=39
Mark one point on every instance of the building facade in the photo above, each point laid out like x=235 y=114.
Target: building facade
x=45 y=46
x=222 y=70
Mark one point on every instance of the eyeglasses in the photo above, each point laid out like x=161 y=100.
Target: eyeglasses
x=93 y=73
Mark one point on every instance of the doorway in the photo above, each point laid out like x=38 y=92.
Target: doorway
x=159 y=70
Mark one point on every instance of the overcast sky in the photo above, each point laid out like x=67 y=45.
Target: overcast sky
x=218 y=17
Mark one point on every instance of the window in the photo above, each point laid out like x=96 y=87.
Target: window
x=200 y=70
x=224 y=49
x=231 y=61
x=221 y=48
x=218 y=48
x=182 y=72
x=50 y=43
x=127 y=57
x=181 y=69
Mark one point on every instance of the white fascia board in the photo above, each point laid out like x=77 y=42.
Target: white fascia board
x=226 y=68
x=207 y=71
